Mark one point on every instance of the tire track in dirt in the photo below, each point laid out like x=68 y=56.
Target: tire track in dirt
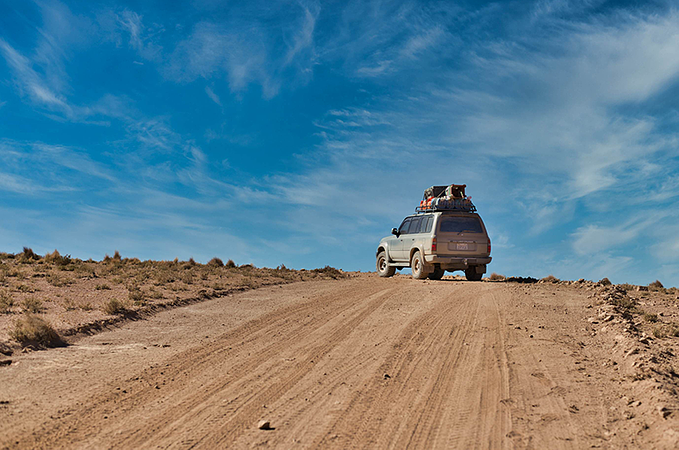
x=188 y=376
x=363 y=363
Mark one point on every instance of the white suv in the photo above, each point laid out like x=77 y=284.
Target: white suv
x=431 y=243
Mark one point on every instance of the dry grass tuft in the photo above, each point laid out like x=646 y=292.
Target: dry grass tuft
x=6 y=303
x=32 y=305
x=330 y=272
x=496 y=277
x=650 y=317
x=550 y=279
x=34 y=331
x=114 y=306
x=215 y=262
x=605 y=282
x=656 y=286
x=28 y=256
x=230 y=264
x=57 y=259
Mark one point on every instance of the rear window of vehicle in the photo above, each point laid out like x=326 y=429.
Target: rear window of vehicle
x=460 y=224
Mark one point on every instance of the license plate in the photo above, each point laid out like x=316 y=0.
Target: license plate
x=463 y=246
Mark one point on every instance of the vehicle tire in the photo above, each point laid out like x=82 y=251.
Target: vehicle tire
x=472 y=275
x=417 y=266
x=383 y=268
x=437 y=274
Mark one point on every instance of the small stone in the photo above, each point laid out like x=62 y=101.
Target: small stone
x=664 y=412
x=387 y=376
x=644 y=340
x=264 y=425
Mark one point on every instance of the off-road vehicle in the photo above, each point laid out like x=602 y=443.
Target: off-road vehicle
x=445 y=234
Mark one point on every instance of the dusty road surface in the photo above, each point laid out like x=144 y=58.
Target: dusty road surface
x=357 y=363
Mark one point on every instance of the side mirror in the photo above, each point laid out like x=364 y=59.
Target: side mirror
x=394 y=231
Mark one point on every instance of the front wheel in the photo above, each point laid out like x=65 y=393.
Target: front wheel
x=383 y=268
x=472 y=274
x=417 y=266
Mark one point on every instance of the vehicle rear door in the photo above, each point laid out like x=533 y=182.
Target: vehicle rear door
x=461 y=235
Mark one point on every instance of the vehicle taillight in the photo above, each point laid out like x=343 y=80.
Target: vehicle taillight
x=489 y=246
x=433 y=244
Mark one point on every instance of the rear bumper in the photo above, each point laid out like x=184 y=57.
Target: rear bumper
x=456 y=261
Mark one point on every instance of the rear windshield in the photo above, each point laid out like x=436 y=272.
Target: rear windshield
x=460 y=224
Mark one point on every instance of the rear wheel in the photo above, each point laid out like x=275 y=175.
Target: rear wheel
x=383 y=268
x=472 y=275
x=437 y=274
x=417 y=266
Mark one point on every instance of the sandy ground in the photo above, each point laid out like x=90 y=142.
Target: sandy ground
x=357 y=363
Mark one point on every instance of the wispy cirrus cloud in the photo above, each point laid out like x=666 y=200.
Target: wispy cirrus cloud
x=248 y=51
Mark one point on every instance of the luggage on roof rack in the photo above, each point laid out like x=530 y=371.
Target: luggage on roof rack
x=446 y=198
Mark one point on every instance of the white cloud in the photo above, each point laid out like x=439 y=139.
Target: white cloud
x=210 y=93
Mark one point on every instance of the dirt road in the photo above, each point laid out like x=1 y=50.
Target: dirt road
x=357 y=363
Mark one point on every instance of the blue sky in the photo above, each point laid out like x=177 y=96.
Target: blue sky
x=300 y=132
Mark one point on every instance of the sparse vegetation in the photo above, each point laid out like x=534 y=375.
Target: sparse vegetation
x=77 y=292
x=6 y=303
x=114 y=306
x=550 y=279
x=28 y=256
x=57 y=259
x=34 y=331
x=329 y=271
x=215 y=262
x=136 y=295
x=626 y=286
x=656 y=285
x=650 y=317
x=32 y=305
x=496 y=277
x=605 y=282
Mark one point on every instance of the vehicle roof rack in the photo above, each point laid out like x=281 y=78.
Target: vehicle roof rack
x=446 y=198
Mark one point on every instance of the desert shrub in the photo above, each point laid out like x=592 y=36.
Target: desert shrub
x=31 y=305
x=187 y=277
x=28 y=256
x=656 y=284
x=6 y=303
x=56 y=258
x=102 y=287
x=116 y=256
x=650 y=317
x=114 y=306
x=57 y=280
x=32 y=330
x=86 y=306
x=659 y=332
x=496 y=277
x=135 y=294
x=230 y=264
x=626 y=286
x=330 y=272
x=625 y=303
x=215 y=262
x=191 y=261
x=550 y=279
x=4 y=255
x=605 y=282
